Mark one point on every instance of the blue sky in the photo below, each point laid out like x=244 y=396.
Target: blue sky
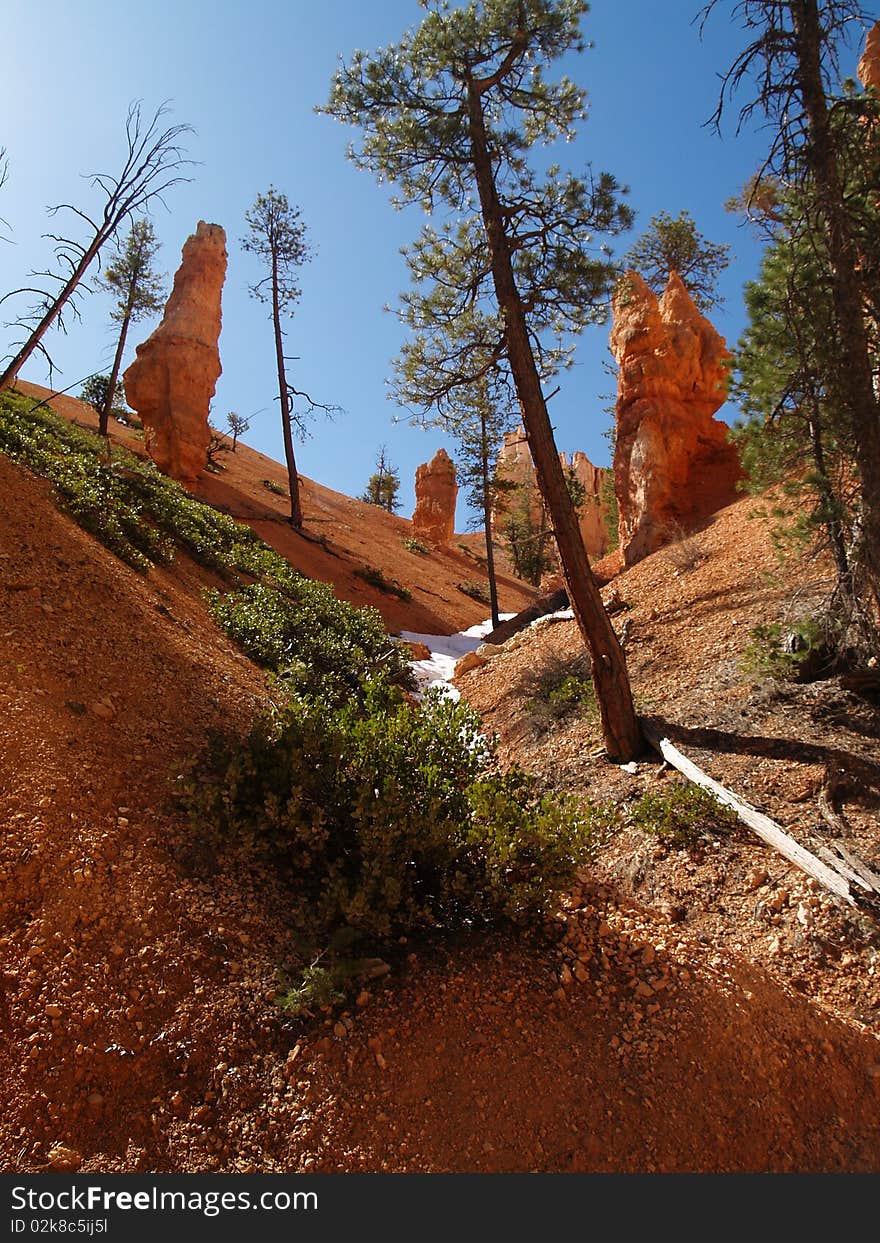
x=246 y=77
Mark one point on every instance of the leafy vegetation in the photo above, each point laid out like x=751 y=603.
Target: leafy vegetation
x=392 y=819
x=797 y=651
x=411 y=544
x=477 y=591
x=373 y=575
x=309 y=637
x=144 y=517
x=559 y=687
x=681 y=814
x=384 y=484
x=677 y=245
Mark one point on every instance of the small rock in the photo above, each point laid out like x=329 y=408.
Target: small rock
x=470 y=660
x=54 y=1011
x=755 y=879
x=779 y=901
x=63 y=1158
x=103 y=710
x=380 y=1060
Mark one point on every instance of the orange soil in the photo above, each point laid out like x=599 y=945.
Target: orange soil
x=683 y=1018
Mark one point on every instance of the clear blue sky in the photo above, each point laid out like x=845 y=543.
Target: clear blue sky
x=246 y=77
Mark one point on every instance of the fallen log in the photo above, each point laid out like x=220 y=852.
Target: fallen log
x=550 y=603
x=768 y=830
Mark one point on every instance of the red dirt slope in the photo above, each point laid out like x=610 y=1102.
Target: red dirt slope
x=340 y=536
x=139 y=970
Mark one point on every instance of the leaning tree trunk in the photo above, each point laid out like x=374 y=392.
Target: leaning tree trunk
x=620 y=728
x=104 y=417
x=11 y=373
x=296 y=514
x=855 y=378
x=487 y=523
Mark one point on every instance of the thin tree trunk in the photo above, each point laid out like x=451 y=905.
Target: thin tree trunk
x=11 y=372
x=104 y=418
x=296 y=514
x=620 y=728
x=487 y=522
x=855 y=376
x=829 y=504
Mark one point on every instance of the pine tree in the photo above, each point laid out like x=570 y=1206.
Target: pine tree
x=151 y=166
x=277 y=235
x=676 y=245
x=384 y=484
x=449 y=114
x=138 y=290
x=793 y=60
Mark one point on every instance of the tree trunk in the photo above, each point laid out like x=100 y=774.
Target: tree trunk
x=854 y=374
x=829 y=505
x=104 y=418
x=11 y=372
x=296 y=514
x=620 y=728
x=487 y=523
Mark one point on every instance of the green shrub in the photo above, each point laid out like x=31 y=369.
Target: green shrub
x=391 y=819
x=411 y=544
x=271 y=486
x=284 y=621
x=558 y=687
x=477 y=591
x=681 y=814
x=373 y=575
x=796 y=651
x=309 y=637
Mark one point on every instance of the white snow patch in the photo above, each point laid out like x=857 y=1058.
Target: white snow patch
x=446 y=651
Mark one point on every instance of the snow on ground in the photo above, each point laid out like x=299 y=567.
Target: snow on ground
x=446 y=650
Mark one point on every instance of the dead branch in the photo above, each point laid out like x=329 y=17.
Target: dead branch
x=831 y=878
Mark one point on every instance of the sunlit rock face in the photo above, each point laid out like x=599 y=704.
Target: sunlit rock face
x=436 y=494
x=673 y=462
x=174 y=374
x=869 y=65
x=515 y=467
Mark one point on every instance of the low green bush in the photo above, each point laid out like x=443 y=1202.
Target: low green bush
x=558 y=687
x=798 y=651
x=390 y=819
x=477 y=591
x=682 y=814
x=309 y=637
x=411 y=544
x=294 y=626
x=373 y=575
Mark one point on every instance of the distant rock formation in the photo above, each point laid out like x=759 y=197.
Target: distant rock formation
x=869 y=65
x=515 y=466
x=173 y=377
x=673 y=463
x=436 y=493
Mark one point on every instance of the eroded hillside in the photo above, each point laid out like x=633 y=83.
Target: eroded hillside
x=653 y=1028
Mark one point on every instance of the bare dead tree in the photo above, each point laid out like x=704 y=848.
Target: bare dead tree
x=4 y=177
x=152 y=165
